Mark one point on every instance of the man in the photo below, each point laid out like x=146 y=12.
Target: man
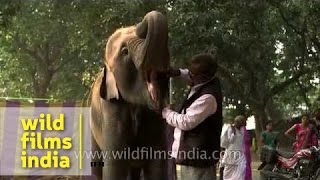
x=236 y=159
x=223 y=148
x=196 y=145
x=268 y=141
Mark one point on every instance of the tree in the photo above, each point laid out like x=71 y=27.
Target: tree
x=268 y=50
x=40 y=39
x=255 y=46
x=59 y=45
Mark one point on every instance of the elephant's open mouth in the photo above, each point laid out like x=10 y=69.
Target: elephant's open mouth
x=153 y=86
x=152 y=78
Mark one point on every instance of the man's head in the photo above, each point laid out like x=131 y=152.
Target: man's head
x=202 y=68
x=269 y=126
x=240 y=121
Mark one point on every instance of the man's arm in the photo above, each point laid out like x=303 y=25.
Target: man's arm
x=199 y=110
x=231 y=134
x=184 y=75
x=180 y=73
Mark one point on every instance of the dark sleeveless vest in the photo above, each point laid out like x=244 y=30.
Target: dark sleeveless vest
x=200 y=146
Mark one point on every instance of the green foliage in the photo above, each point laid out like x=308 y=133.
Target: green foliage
x=268 y=51
x=262 y=57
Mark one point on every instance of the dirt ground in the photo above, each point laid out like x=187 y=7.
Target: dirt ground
x=254 y=165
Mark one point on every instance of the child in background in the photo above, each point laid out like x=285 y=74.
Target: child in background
x=269 y=140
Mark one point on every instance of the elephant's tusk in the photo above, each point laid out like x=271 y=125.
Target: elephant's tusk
x=153 y=91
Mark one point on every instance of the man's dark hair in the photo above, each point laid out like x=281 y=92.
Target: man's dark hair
x=269 y=123
x=206 y=64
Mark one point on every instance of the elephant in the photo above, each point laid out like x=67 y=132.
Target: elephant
x=127 y=97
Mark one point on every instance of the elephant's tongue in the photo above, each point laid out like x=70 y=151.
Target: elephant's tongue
x=153 y=92
x=153 y=86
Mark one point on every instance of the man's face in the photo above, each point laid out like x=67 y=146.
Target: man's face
x=269 y=127
x=194 y=68
x=240 y=123
x=196 y=76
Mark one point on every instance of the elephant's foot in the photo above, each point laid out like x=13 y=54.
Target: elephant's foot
x=134 y=174
x=96 y=171
x=115 y=170
x=155 y=170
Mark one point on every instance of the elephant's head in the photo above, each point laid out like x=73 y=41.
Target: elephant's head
x=134 y=58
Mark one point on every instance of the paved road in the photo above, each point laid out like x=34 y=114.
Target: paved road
x=255 y=172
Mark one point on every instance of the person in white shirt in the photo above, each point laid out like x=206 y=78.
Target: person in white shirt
x=235 y=160
x=197 y=126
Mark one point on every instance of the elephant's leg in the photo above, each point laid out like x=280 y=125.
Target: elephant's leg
x=97 y=171
x=155 y=170
x=171 y=169
x=134 y=173
x=115 y=170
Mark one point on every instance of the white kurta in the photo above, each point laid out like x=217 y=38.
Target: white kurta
x=234 y=160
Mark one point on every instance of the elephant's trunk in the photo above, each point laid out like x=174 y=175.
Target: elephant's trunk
x=153 y=53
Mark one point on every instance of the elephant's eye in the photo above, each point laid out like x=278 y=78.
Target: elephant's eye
x=124 y=51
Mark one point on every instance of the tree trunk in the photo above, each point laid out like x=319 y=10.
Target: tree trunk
x=41 y=83
x=41 y=90
x=273 y=112
x=260 y=117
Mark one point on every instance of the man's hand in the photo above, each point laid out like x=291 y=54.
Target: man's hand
x=167 y=108
x=233 y=129
x=170 y=106
x=173 y=72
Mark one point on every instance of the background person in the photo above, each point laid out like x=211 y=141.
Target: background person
x=269 y=137
x=236 y=160
x=269 y=140
x=223 y=148
x=317 y=123
x=305 y=136
x=223 y=145
x=247 y=152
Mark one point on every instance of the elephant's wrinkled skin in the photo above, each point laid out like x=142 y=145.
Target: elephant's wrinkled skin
x=124 y=99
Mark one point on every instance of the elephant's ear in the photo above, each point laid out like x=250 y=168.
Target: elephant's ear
x=108 y=87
